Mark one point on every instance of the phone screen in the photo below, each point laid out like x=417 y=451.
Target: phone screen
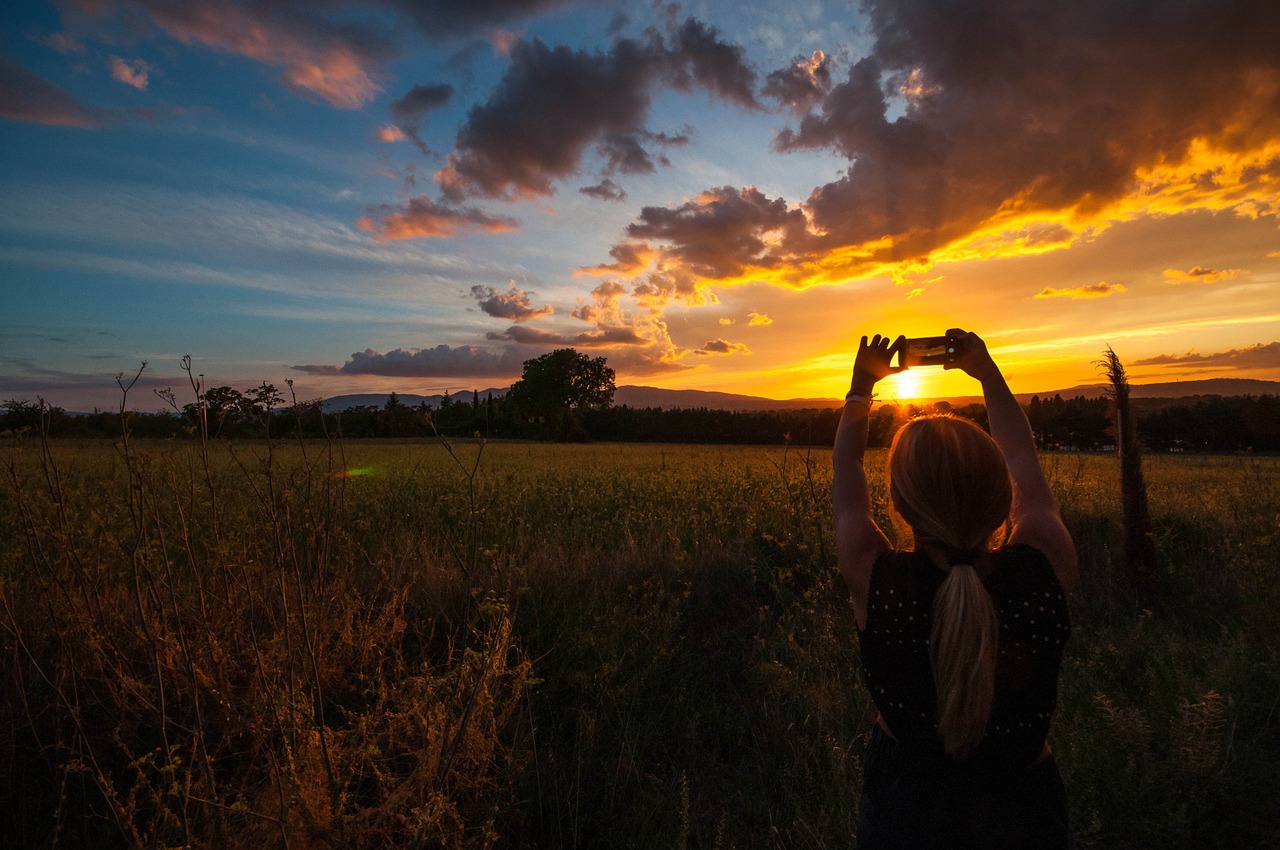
x=928 y=351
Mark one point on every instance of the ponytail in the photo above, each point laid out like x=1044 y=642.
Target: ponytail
x=949 y=482
x=962 y=655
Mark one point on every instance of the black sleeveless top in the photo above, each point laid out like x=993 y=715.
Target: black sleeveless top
x=1034 y=627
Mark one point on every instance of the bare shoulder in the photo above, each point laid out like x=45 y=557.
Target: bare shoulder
x=1045 y=531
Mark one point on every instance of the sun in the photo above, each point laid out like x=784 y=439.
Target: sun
x=903 y=386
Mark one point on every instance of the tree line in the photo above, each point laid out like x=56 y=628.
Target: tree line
x=567 y=396
x=1211 y=424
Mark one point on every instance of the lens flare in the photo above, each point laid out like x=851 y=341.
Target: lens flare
x=354 y=472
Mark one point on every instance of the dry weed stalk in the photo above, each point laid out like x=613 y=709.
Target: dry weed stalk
x=204 y=680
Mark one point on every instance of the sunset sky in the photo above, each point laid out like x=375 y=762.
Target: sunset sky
x=419 y=195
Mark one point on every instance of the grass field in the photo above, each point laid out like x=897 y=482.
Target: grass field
x=517 y=645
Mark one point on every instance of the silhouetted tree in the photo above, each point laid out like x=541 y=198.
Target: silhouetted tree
x=556 y=387
x=397 y=418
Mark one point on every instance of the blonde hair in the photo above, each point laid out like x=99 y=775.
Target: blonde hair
x=949 y=482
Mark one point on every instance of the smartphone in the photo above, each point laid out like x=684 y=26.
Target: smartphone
x=930 y=351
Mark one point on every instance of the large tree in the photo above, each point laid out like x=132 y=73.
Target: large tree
x=555 y=386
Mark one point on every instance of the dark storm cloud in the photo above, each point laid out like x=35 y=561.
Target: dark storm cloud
x=602 y=337
x=409 y=110
x=721 y=346
x=515 y=304
x=698 y=56
x=965 y=110
x=442 y=361
x=624 y=154
x=25 y=96
x=554 y=103
x=802 y=85
x=721 y=232
x=1259 y=356
x=605 y=190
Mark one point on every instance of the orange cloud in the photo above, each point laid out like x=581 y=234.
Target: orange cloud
x=133 y=73
x=315 y=56
x=422 y=217
x=759 y=319
x=1200 y=274
x=1092 y=290
x=605 y=308
x=946 y=165
x=630 y=258
x=390 y=133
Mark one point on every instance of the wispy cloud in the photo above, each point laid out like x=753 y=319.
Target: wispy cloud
x=758 y=319
x=409 y=110
x=1101 y=289
x=1200 y=274
x=1259 y=356
x=422 y=217
x=25 y=96
x=443 y=18
x=333 y=58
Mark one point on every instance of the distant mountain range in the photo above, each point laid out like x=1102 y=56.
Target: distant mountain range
x=655 y=397
x=343 y=402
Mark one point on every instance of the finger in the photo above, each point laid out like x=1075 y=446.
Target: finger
x=957 y=332
x=898 y=343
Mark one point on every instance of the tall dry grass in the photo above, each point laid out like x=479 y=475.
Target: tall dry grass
x=230 y=653
x=511 y=645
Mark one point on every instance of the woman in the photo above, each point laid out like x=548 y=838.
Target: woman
x=962 y=634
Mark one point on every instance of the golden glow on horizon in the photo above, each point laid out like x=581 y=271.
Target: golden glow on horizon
x=923 y=295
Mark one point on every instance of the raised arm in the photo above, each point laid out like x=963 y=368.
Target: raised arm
x=859 y=541
x=1036 y=520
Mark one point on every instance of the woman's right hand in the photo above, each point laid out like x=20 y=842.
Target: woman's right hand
x=975 y=360
x=874 y=362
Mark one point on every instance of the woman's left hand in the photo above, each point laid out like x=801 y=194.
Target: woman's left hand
x=875 y=361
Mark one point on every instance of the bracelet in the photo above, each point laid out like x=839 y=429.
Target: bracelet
x=858 y=397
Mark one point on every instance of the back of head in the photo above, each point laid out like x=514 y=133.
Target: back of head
x=949 y=482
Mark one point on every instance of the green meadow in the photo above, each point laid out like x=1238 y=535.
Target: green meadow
x=429 y=644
